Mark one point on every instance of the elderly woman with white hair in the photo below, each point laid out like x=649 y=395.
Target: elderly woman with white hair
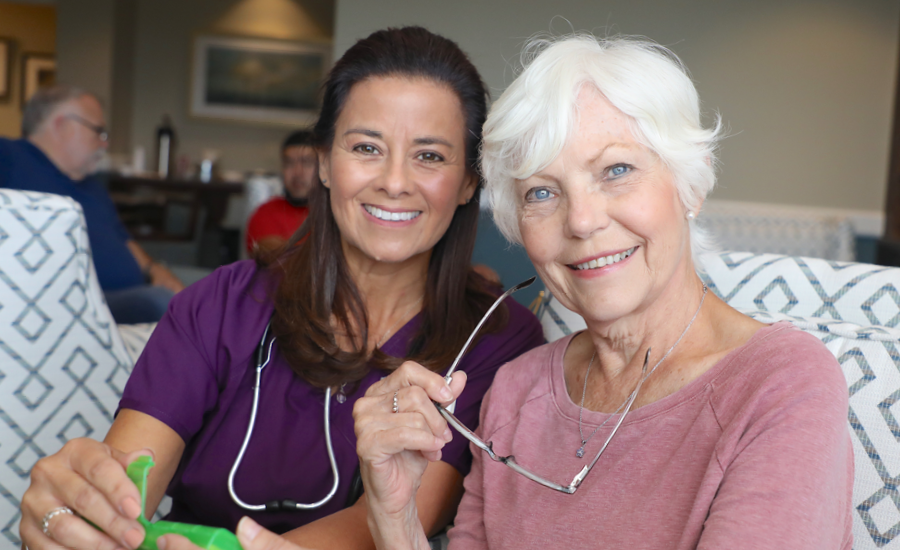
x=684 y=423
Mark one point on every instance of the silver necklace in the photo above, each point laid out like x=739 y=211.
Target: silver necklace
x=580 y=452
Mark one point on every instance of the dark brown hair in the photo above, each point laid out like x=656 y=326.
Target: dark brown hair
x=315 y=282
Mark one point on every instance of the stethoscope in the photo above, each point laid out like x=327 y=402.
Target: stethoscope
x=285 y=505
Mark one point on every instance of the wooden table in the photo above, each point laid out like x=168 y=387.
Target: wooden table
x=145 y=205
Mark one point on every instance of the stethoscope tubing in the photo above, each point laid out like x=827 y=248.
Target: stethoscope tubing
x=260 y=365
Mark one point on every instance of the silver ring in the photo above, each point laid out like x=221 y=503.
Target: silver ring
x=45 y=527
x=396 y=407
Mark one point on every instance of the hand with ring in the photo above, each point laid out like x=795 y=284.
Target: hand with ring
x=85 y=479
x=398 y=432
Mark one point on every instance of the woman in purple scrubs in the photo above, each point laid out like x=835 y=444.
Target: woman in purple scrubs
x=378 y=274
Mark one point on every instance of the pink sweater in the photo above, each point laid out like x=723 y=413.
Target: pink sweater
x=753 y=454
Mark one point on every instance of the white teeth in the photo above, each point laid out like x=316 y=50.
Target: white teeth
x=607 y=260
x=391 y=216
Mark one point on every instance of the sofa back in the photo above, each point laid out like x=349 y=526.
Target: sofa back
x=62 y=363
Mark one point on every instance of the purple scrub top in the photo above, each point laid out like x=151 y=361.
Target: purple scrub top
x=196 y=375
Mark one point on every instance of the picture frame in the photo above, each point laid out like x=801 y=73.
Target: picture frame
x=6 y=61
x=38 y=71
x=258 y=80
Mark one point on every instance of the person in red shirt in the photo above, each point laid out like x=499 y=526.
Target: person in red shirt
x=274 y=222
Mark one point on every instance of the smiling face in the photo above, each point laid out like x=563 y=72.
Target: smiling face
x=603 y=223
x=397 y=168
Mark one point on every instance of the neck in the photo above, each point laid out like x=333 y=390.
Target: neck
x=295 y=201
x=392 y=292
x=49 y=147
x=621 y=344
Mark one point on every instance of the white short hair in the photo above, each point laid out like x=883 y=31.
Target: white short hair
x=530 y=124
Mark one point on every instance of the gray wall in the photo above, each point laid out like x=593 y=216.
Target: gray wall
x=805 y=87
x=162 y=69
x=136 y=55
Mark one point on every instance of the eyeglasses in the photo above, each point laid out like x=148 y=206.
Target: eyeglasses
x=101 y=132
x=510 y=460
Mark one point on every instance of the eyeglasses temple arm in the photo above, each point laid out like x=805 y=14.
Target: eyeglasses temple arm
x=507 y=460
x=496 y=303
x=584 y=471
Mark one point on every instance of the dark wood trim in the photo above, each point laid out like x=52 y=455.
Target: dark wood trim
x=890 y=243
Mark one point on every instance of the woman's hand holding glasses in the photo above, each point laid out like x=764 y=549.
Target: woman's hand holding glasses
x=399 y=431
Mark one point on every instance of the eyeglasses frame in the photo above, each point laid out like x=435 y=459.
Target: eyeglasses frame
x=510 y=460
x=102 y=133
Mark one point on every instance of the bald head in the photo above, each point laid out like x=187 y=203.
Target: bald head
x=68 y=125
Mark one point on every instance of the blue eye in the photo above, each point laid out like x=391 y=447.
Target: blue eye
x=618 y=170
x=539 y=194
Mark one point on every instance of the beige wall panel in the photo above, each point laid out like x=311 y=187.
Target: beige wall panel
x=805 y=87
x=162 y=64
x=33 y=29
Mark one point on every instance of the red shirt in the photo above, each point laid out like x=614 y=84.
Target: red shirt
x=276 y=218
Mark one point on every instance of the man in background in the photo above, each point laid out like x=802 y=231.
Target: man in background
x=63 y=138
x=274 y=222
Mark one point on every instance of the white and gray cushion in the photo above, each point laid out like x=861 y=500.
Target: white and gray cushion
x=62 y=363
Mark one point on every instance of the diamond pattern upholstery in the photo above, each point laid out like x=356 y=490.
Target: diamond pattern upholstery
x=62 y=363
x=855 y=310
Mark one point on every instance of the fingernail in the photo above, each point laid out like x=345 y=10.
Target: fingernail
x=133 y=537
x=131 y=508
x=162 y=542
x=448 y=435
x=446 y=394
x=248 y=529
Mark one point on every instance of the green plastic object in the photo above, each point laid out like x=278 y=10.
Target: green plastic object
x=210 y=538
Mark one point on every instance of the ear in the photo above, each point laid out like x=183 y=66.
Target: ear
x=467 y=191
x=56 y=123
x=324 y=167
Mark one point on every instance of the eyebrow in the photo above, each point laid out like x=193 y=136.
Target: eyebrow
x=615 y=144
x=432 y=140
x=426 y=140
x=595 y=158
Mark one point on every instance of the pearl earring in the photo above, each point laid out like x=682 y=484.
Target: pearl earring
x=690 y=215
x=324 y=181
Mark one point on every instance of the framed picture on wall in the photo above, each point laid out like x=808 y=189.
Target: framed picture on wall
x=6 y=46
x=257 y=80
x=38 y=71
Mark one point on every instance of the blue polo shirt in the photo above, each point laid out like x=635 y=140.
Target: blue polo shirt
x=24 y=166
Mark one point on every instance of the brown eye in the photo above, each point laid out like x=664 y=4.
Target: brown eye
x=366 y=149
x=430 y=156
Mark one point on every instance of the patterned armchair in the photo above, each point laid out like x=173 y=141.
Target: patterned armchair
x=63 y=362
x=855 y=310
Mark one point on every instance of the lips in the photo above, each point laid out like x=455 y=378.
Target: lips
x=391 y=216
x=604 y=261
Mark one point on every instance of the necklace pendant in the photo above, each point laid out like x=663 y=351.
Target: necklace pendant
x=580 y=452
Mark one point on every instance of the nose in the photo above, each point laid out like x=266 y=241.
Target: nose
x=396 y=180
x=586 y=213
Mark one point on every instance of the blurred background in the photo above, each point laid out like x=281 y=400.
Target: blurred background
x=806 y=89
